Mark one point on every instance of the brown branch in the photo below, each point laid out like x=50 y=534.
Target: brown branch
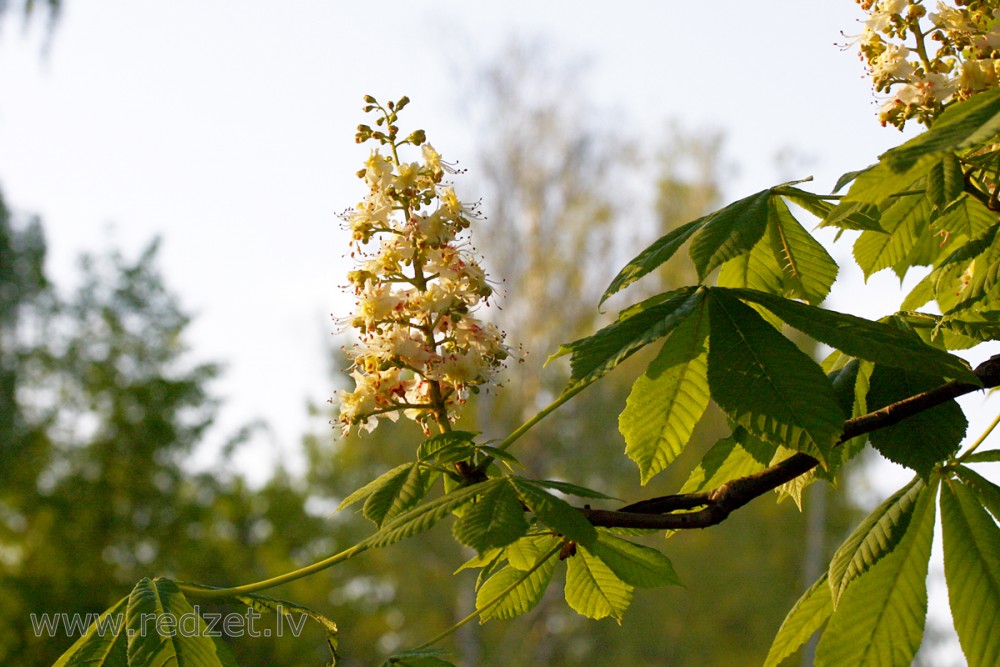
x=719 y=503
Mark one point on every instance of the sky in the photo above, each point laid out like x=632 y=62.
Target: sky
x=226 y=127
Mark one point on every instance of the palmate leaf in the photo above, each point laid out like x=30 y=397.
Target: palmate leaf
x=965 y=216
x=861 y=338
x=158 y=633
x=593 y=590
x=668 y=401
x=765 y=383
x=634 y=564
x=880 y=618
x=104 y=644
x=972 y=571
x=975 y=121
x=512 y=592
x=555 y=512
x=431 y=446
x=987 y=492
x=945 y=181
x=425 y=516
x=904 y=222
x=923 y=440
x=875 y=537
x=596 y=355
x=757 y=269
x=805 y=618
x=494 y=519
x=653 y=256
x=365 y=491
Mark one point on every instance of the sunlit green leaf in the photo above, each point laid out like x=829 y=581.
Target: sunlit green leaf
x=369 y=488
x=104 y=644
x=986 y=491
x=806 y=264
x=972 y=571
x=593 y=590
x=879 y=620
x=494 y=519
x=945 y=181
x=861 y=338
x=634 y=564
x=766 y=384
x=667 y=402
x=728 y=459
x=523 y=554
x=511 y=592
x=805 y=618
x=874 y=538
x=432 y=445
x=398 y=493
x=902 y=223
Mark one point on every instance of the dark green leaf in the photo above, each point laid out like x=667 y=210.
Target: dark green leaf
x=766 y=384
x=667 y=402
x=986 y=456
x=398 y=493
x=432 y=445
x=284 y=608
x=861 y=338
x=495 y=519
x=425 y=516
x=572 y=489
x=927 y=438
x=653 y=256
x=636 y=327
x=849 y=177
x=418 y=657
x=972 y=571
x=554 y=512
x=729 y=232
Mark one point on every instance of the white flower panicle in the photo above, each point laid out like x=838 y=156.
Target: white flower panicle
x=924 y=60
x=420 y=350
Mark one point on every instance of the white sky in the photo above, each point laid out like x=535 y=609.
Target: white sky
x=227 y=127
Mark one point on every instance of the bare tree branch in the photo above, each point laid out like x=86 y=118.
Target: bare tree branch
x=719 y=503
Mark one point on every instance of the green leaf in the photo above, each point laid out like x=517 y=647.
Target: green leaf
x=103 y=644
x=729 y=232
x=729 y=459
x=636 y=327
x=593 y=590
x=818 y=205
x=555 y=512
x=284 y=608
x=985 y=456
x=806 y=264
x=966 y=216
x=857 y=215
x=369 y=488
x=425 y=516
x=158 y=618
x=973 y=122
x=766 y=384
x=429 y=447
x=987 y=492
x=945 y=181
x=398 y=493
x=653 y=256
x=972 y=571
x=634 y=564
x=849 y=177
x=875 y=537
x=880 y=617
x=805 y=618
x=494 y=519
x=510 y=592
x=523 y=554
x=923 y=440
x=757 y=269
x=667 y=402
x=903 y=223
x=861 y=338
